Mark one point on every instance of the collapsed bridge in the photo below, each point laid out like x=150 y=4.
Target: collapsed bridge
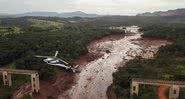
x=7 y=77
x=174 y=86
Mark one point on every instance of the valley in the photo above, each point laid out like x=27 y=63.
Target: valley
x=108 y=56
x=96 y=76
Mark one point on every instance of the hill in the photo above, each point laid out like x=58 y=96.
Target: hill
x=177 y=12
x=78 y=14
x=52 y=14
x=44 y=23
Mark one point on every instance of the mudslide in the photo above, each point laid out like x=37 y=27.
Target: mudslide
x=96 y=76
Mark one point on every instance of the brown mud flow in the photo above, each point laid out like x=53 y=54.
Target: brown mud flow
x=97 y=67
x=96 y=76
x=161 y=92
x=64 y=81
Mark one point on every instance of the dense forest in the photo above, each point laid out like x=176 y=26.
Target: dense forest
x=168 y=63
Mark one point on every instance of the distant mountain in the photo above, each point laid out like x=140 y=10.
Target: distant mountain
x=177 y=12
x=78 y=14
x=53 y=14
x=4 y=15
x=42 y=14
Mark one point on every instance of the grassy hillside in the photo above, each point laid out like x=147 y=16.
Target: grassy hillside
x=25 y=22
x=9 y=30
x=45 y=23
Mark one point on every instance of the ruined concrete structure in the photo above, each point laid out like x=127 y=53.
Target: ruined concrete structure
x=7 y=77
x=173 y=91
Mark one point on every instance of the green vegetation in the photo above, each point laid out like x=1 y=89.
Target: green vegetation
x=3 y=29
x=168 y=63
x=23 y=38
x=17 y=80
x=19 y=50
x=44 y=23
x=9 y=30
x=26 y=97
x=71 y=43
x=11 y=66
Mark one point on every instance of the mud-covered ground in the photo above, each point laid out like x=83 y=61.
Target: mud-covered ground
x=48 y=89
x=96 y=68
x=96 y=76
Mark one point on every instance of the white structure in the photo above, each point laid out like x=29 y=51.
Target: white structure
x=117 y=28
x=7 y=77
x=133 y=29
x=174 y=90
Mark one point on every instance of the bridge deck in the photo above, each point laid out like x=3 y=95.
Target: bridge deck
x=158 y=82
x=16 y=71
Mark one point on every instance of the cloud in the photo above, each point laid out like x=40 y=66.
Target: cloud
x=122 y=7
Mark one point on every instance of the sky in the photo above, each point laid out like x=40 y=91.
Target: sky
x=104 y=7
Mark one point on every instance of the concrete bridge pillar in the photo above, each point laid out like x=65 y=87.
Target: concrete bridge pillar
x=7 y=78
x=134 y=88
x=174 y=92
x=35 y=83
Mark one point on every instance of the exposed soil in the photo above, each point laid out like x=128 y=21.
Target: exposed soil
x=96 y=76
x=85 y=59
x=24 y=89
x=82 y=60
x=64 y=80
x=147 y=42
x=129 y=34
x=97 y=68
x=161 y=92
x=110 y=93
x=106 y=38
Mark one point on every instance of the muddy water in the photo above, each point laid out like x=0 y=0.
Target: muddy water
x=96 y=76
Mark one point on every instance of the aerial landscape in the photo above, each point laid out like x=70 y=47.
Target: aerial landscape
x=92 y=49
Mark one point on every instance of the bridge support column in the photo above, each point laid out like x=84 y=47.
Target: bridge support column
x=7 y=78
x=134 y=88
x=35 y=83
x=174 y=92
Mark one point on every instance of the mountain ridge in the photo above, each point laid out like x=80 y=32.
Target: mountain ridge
x=52 y=14
x=176 y=12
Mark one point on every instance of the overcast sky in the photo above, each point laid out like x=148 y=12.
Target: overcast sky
x=114 y=7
